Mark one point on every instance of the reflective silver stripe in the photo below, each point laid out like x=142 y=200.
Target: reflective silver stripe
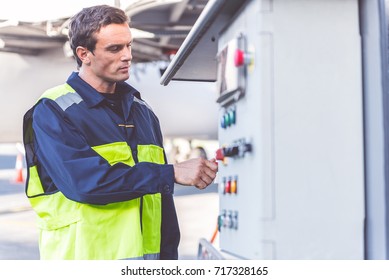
x=137 y=100
x=151 y=256
x=65 y=101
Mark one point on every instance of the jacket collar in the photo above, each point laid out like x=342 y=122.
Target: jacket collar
x=92 y=97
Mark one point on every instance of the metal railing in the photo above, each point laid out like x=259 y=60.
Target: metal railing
x=207 y=251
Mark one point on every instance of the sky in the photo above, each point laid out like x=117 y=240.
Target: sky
x=42 y=10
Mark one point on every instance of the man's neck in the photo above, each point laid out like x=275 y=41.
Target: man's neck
x=96 y=83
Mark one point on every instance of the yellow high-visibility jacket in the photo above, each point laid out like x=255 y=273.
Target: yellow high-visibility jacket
x=97 y=180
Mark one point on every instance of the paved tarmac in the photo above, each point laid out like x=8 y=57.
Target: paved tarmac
x=18 y=234
x=197 y=212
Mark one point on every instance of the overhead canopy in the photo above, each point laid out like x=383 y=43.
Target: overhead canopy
x=159 y=26
x=196 y=58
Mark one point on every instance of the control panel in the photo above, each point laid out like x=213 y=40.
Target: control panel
x=290 y=133
x=237 y=149
x=295 y=112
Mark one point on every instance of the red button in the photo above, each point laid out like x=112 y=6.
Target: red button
x=220 y=154
x=239 y=58
x=228 y=187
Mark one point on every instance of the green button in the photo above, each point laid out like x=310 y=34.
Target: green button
x=227 y=120
x=232 y=116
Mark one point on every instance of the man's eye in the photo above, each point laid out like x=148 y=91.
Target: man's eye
x=115 y=48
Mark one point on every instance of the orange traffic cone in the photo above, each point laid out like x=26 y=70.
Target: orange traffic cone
x=19 y=169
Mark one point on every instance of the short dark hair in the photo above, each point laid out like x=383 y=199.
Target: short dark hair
x=88 y=21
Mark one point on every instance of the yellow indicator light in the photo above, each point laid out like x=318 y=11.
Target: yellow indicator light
x=234 y=186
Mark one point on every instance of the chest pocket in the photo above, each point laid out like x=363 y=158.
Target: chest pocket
x=151 y=153
x=115 y=152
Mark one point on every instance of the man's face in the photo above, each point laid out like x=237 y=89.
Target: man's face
x=111 y=59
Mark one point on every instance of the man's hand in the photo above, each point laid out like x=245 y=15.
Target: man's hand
x=196 y=172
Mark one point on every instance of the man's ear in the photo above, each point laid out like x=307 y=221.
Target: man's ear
x=83 y=55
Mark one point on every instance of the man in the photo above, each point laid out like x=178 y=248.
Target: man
x=98 y=178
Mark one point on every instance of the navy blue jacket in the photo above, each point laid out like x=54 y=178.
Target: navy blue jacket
x=66 y=161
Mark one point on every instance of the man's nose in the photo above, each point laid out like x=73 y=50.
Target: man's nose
x=127 y=55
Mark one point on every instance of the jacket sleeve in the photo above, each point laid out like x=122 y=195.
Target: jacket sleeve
x=83 y=175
